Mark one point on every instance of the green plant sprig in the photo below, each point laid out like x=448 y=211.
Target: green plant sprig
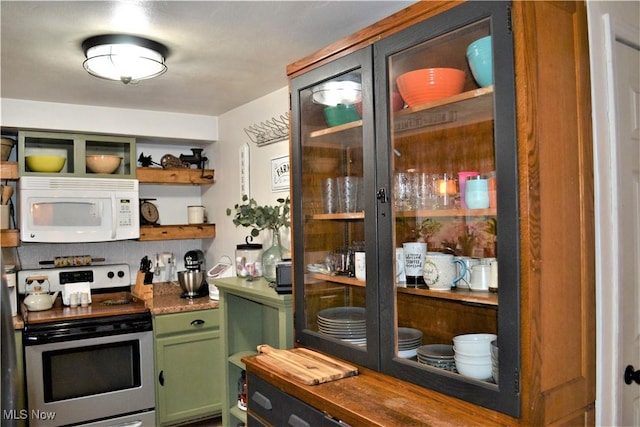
x=250 y=214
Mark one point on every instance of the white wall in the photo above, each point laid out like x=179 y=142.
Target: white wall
x=226 y=154
x=157 y=133
x=227 y=130
x=25 y=114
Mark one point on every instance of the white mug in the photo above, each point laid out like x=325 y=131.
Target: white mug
x=480 y=277
x=360 y=265
x=440 y=271
x=493 y=283
x=465 y=273
x=195 y=214
x=414 y=253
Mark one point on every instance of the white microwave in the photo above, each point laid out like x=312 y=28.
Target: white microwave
x=69 y=210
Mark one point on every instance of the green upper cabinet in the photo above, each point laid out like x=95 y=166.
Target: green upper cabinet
x=72 y=155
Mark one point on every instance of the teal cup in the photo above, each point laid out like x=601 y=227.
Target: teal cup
x=477 y=194
x=480 y=60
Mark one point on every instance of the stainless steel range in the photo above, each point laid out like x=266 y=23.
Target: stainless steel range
x=92 y=364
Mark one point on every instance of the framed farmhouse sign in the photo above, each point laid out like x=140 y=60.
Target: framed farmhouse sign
x=280 y=174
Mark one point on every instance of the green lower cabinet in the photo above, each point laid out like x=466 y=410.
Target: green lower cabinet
x=188 y=366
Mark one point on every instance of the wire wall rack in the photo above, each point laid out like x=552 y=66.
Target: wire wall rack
x=270 y=131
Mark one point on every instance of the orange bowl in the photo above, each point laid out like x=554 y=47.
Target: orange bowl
x=429 y=84
x=103 y=163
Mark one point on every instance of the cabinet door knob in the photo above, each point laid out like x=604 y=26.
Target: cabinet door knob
x=631 y=375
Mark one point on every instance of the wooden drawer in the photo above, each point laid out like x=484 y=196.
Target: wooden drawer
x=190 y=321
x=280 y=409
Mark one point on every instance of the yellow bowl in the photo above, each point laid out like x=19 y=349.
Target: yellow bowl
x=45 y=163
x=103 y=163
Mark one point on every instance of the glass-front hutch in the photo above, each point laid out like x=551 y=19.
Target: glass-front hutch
x=405 y=206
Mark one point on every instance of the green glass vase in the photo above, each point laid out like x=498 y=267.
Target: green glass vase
x=272 y=256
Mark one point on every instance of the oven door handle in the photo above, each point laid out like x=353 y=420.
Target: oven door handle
x=161 y=378
x=136 y=423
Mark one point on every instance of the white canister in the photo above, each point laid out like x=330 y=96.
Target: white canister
x=249 y=260
x=195 y=214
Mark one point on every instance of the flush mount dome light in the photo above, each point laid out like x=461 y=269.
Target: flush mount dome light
x=123 y=57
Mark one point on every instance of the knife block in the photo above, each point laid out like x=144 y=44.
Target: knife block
x=140 y=290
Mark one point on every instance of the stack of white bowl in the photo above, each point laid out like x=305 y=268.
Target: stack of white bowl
x=472 y=354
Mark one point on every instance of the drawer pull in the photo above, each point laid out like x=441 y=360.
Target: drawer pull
x=262 y=400
x=197 y=322
x=296 y=421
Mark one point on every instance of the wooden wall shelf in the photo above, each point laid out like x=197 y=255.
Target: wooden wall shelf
x=9 y=239
x=175 y=176
x=9 y=170
x=177 y=232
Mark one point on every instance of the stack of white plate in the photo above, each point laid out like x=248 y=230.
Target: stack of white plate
x=409 y=339
x=345 y=323
x=437 y=355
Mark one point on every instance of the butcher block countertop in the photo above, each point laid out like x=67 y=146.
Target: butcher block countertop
x=374 y=399
x=18 y=323
x=95 y=309
x=166 y=299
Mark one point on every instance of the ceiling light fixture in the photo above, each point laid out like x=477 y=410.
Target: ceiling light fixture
x=123 y=57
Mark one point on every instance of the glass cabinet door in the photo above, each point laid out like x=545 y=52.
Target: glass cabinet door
x=450 y=319
x=404 y=157
x=332 y=159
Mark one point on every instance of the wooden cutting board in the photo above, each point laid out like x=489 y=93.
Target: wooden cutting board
x=303 y=365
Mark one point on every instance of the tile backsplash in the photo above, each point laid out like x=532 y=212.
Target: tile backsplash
x=128 y=252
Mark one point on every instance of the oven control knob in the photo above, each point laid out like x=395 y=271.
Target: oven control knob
x=121 y=274
x=110 y=275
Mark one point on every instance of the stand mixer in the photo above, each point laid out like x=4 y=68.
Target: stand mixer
x=194 y=280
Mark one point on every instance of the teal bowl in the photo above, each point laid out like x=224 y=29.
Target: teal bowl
x=340 y=114
x=480 y=60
